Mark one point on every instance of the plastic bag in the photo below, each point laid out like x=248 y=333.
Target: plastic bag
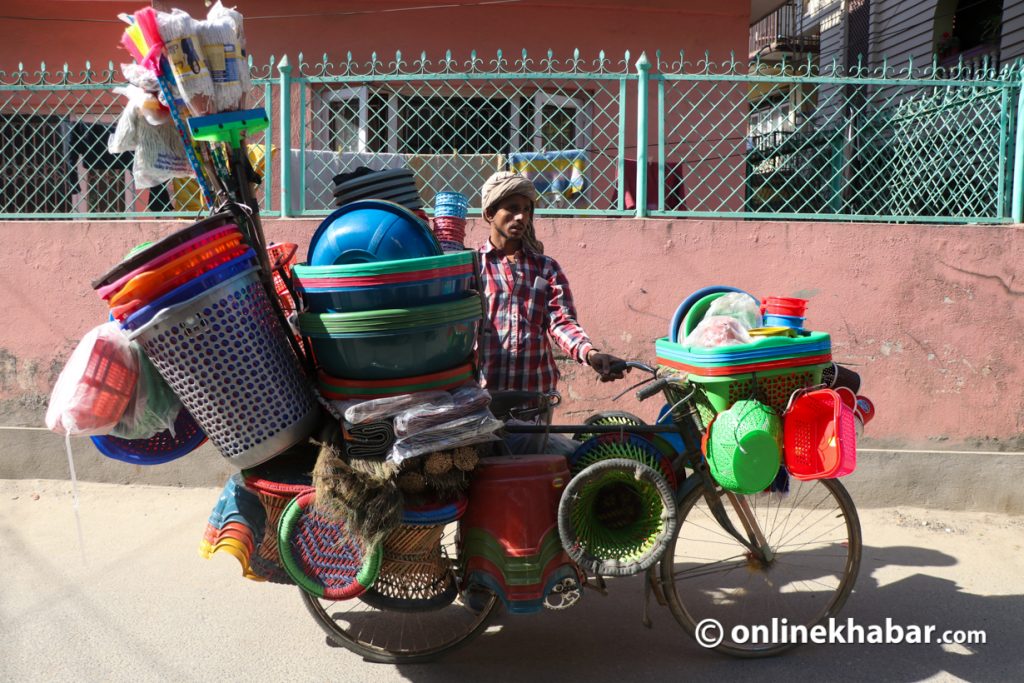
x=465 y=400
x=96 y=385
x=153 y=408
x=718 y=330
x=381 y=408
x=159 y=152
x=475 y=428
x=737 y=305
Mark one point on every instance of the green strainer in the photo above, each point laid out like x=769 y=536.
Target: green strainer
x=744 y=447
x=615 y=518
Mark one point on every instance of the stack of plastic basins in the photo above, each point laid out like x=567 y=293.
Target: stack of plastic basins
x=196 y=305
x=449 y=224
x=509 y=533
x=387 y=326
x=768 y=369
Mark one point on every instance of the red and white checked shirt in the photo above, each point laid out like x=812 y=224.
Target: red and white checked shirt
x=528 y=303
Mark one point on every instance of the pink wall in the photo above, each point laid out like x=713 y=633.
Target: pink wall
x=418 y=25
x=929 y=315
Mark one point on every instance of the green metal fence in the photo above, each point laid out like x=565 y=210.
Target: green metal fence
x=691 y=138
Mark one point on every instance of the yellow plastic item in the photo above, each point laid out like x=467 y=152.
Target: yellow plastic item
x=185 y=191
x=772 y=332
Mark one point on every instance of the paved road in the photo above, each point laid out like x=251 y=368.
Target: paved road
x=136 y=603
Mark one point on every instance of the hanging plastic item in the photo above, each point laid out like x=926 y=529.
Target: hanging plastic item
x=96 y=385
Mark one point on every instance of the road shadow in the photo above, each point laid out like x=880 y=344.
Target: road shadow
x=603 y=637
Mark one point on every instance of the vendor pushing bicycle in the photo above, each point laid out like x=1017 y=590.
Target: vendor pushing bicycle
x=528 y=303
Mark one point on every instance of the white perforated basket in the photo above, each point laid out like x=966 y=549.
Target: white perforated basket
x=225 y=355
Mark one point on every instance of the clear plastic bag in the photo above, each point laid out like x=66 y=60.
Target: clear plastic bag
x=718 y=330
x=478 y=427
x=465 y=400
x=96 y=385
x=159 y=154
x=153 y=409
x=382 y=408
x=737 y=305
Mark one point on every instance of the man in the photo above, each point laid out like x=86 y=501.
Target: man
x=528 y=302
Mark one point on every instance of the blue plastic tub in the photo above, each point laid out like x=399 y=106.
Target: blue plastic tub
x=371 y=230
x=399 y=295
x=394 y=355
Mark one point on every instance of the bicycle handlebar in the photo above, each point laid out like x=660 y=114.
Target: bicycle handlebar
x=653 y=388
x=621 y=366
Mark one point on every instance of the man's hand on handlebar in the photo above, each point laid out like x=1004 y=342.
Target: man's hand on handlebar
x=609 y=367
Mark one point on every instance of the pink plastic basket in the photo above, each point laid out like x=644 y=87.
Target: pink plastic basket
x=820 y=436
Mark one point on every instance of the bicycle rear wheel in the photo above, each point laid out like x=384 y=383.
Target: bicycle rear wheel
x=398 y=637
x=814 y=533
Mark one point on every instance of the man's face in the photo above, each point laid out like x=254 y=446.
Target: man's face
x=511 y=215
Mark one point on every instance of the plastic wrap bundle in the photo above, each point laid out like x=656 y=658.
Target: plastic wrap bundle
x=180 y=33
x=223 y=43
x=382 y=408
x=464 y=401
x=475 y=428
x=369 y=440
x=153 y=409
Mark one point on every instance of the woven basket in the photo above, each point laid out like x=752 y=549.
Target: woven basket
x=415 y=576
x=274 y=496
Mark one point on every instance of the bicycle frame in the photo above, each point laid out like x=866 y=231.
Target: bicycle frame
x=685 y=425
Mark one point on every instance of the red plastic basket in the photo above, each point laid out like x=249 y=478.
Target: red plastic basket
x=111 y=384
x=820 y=436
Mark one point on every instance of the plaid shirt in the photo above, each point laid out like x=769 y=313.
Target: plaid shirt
x=528 y=303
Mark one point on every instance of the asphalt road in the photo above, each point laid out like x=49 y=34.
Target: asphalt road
x=134 y=602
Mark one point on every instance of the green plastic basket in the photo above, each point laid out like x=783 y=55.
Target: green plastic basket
x=744 y=447
x=771 y=387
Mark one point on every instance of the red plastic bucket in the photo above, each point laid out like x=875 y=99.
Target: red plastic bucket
x=784 y=305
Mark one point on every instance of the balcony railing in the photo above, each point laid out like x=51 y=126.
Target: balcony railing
x=781 y=33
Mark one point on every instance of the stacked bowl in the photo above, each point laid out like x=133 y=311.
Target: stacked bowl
x=195 y=304
x=386 y=311
x=449 y=224
x=396 y=185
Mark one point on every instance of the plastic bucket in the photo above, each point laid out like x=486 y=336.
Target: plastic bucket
x=784 y=305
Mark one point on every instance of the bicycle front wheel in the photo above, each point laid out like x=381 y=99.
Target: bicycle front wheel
x=813 y=535
x=398 y=637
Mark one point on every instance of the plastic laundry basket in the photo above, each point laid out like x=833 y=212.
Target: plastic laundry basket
x=228 y=359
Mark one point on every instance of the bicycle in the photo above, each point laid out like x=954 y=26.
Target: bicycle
x=741 y=560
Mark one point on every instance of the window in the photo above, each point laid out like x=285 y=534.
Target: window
x=360 y=120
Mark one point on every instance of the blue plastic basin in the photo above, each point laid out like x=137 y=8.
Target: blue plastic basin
x=394 y=355
x=371 y=230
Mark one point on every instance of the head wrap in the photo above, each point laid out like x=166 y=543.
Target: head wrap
x=505 y=184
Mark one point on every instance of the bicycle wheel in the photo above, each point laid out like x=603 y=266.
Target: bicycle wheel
x=394 y=637
x=814 y=534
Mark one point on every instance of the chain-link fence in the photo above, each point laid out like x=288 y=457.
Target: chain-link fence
x=737 y=140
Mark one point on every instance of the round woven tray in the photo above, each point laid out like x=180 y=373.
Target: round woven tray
x=322 y=556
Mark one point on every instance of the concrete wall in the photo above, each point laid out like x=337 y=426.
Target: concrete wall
x=928 y=315
x=88 y=29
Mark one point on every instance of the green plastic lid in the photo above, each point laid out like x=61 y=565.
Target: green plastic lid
x=390 y=319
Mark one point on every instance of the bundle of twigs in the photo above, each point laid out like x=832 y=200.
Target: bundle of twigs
x=441 y=475
x=361 y=492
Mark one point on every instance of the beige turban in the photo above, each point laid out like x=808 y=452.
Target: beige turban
x=505 y=184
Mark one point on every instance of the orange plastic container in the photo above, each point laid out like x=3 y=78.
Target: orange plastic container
x=150 y=284
x=819 y=435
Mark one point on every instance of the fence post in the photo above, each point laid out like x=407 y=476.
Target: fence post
x=1017 y=206
x=643 y=68
x=285 y=69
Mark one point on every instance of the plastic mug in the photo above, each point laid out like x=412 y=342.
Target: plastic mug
x=847 y=396
x=866 y=408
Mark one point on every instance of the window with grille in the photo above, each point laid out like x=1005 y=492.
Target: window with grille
x=360 y=120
